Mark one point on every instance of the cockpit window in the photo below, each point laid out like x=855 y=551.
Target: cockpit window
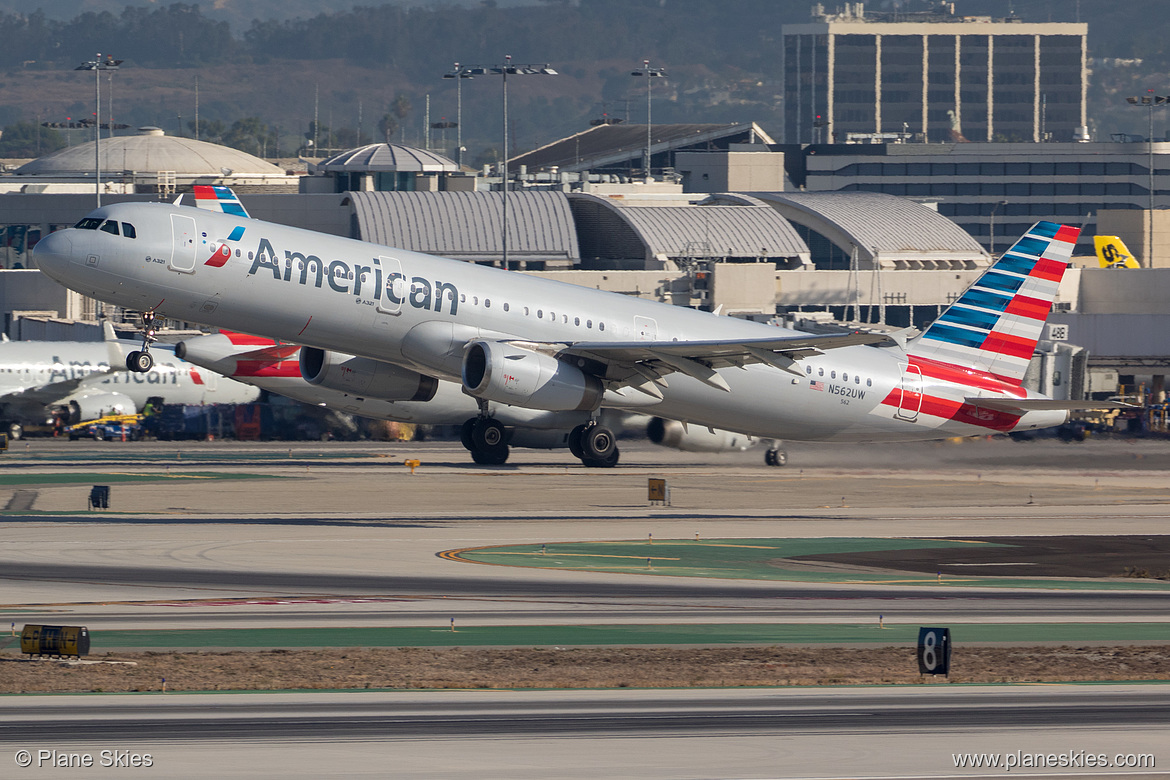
x=109 y=226
x=128 y=230
x=89 y=223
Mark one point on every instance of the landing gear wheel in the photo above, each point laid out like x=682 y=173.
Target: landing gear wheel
x=597 y=443
x=575 y=441
x=139 y=361
x=489 y=442
x=607 y=463
x=776 y=458
x=465 y=433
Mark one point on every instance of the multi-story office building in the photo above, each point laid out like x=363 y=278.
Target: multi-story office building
x=933 y=76
x=996 y=191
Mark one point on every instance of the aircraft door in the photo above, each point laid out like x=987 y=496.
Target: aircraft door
x=183 y=235
x=645 y=329
x=910 y=395
x=394 y=287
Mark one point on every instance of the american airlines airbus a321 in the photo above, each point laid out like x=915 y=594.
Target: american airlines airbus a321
x=540 y=344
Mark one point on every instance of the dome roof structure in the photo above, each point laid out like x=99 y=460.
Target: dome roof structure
x=387 y=158
x=149 y=151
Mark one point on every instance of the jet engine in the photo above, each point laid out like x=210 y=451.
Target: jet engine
x=365 y=377
x=695 y=438
x=513 y=375
x=90 y=407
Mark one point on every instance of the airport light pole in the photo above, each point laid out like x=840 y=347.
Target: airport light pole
x=458 y=74
x=991 y=251
x=97 y=66
x=650 y=73
x=1150 y=102
x=507 y=69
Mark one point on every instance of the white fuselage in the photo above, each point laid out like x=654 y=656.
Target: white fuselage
x=420 y=311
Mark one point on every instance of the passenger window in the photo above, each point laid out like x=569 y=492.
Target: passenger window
x=525 y=311
x=820 y=372
x=463 y=297
x=856 y=379
x=832 y=375
x=506 y=307
x=565 y=319
x=109 y=226
x=577 y=321
x=487 y=303
x=844 y=376
x=237 y=253
x=475 y=300
x=540 y=314
x=869 y=383
x=588 y=323
x=128 y=230
x=808 y=371
x=601 y=326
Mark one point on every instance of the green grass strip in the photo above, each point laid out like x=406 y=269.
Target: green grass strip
x=764 y=559
x=621 y=635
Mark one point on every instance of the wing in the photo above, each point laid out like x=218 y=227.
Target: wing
x=640 y=363
x=43 y=395
x=1044 y=405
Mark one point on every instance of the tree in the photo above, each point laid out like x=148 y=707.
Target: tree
x=251 y=135
x=387 y=126
x=28 y=139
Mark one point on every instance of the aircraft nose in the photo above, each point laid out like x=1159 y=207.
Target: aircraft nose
x=53 y=254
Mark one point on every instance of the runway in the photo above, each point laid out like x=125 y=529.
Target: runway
x=646 y=734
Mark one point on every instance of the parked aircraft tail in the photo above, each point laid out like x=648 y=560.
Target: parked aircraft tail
x=994 y=326
x=1113 y=253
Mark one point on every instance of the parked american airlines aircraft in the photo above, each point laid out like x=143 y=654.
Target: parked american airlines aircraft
x=86 y=379
x=346 y=387
x=540 y=344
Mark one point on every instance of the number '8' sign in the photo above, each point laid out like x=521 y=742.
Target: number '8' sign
x=934 y=651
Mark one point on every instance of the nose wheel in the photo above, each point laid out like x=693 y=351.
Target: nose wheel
x=141 y=361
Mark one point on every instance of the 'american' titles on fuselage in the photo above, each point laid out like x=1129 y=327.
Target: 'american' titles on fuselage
x=339 y=275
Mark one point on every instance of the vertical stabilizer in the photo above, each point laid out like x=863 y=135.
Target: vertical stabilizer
x=1113 y=253
x=994 y=326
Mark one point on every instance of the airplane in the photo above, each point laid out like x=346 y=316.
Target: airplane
x=1113 y=253
x=82 y=380
x=546 y=345
x=346 y=387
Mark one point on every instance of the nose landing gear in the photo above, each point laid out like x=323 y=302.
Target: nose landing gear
x=141 y=361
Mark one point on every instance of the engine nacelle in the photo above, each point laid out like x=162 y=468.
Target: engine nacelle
x=513 y=375
x=696 y=438
x=364 y=377
x=90 y=407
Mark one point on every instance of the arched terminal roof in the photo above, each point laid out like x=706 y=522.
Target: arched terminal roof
x=149 y=151
x=387 y=158
x=610 y=230
x=888 y=231
x=466 y=225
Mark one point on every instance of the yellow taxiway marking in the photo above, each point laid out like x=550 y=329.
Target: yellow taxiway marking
x=582 y=555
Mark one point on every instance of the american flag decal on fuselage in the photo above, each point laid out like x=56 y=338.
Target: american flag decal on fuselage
x=993 y=327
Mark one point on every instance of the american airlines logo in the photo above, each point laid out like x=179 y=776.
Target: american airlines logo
x=358 y=280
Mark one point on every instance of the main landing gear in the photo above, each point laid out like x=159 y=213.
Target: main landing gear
x=141 y=361
x=595 y=445
x=774 y=456
x=486 y=440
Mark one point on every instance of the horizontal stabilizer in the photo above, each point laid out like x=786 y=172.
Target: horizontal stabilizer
x=1044 y=405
